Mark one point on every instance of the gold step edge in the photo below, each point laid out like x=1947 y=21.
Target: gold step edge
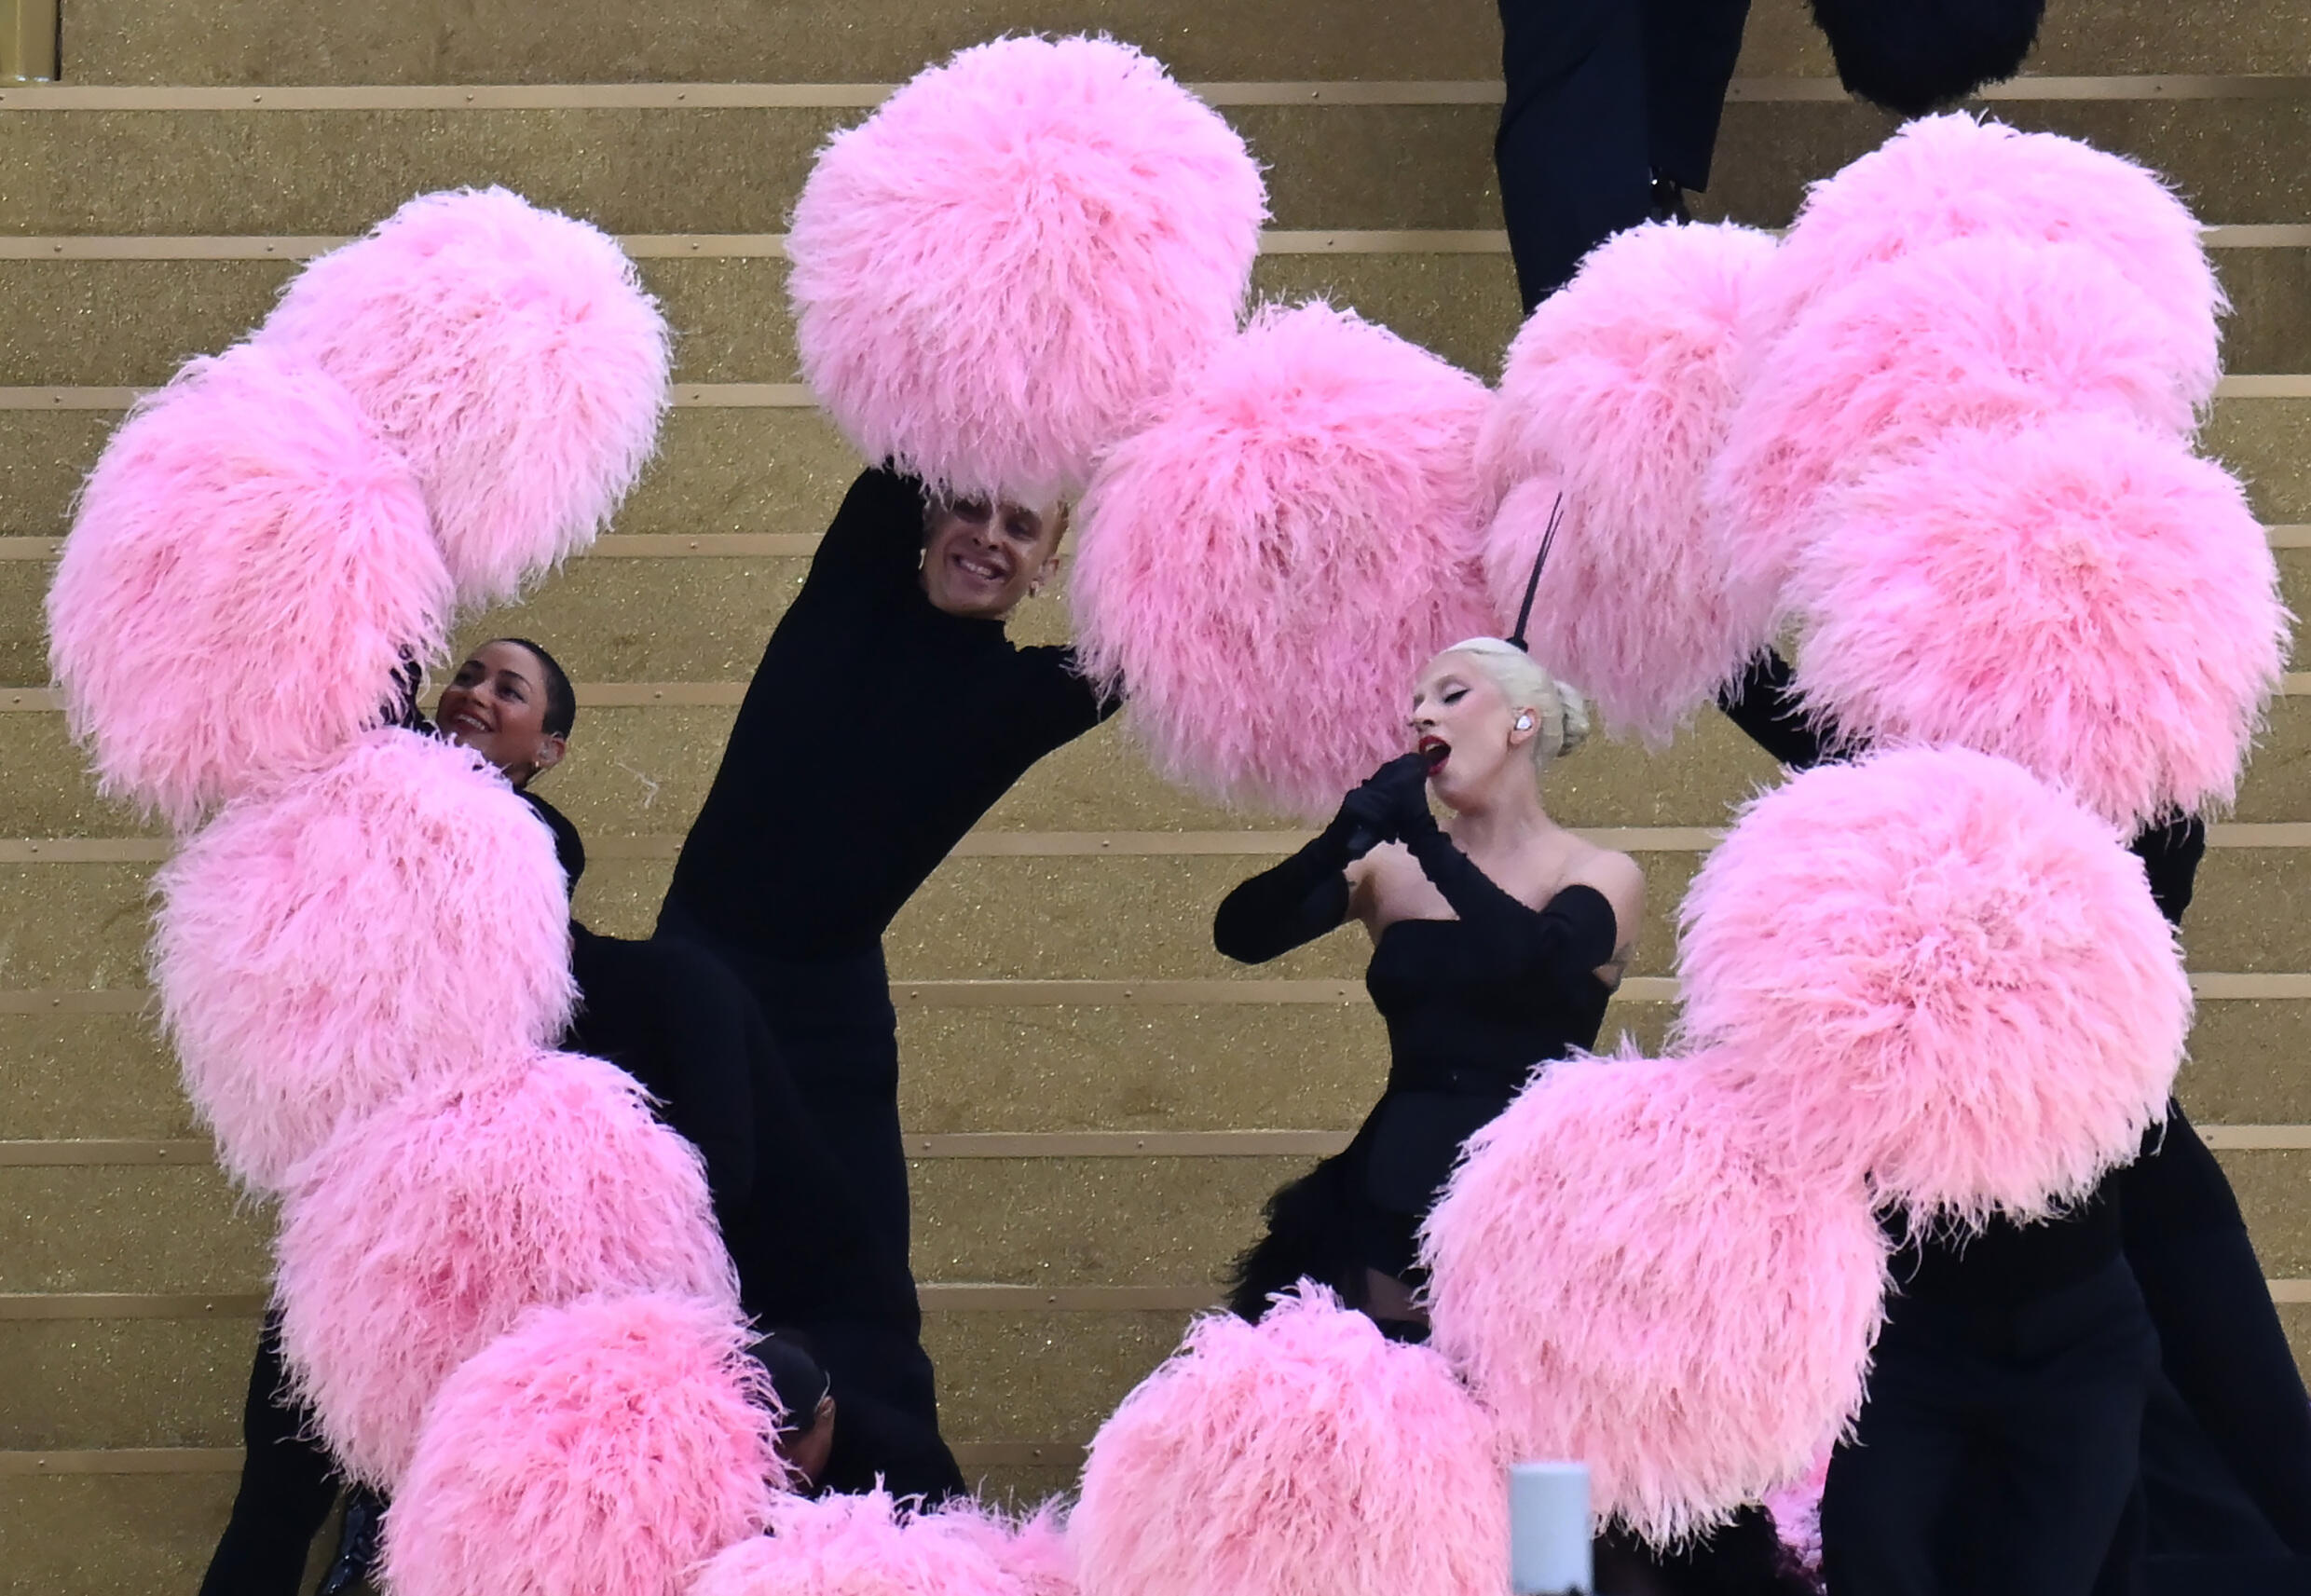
x=796 y=396
x=1014 y=1145
x=1164 y=992
x=773 y=246
x=861 y=96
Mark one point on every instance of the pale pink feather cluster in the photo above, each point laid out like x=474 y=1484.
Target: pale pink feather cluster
x=609 y=1446
x=1987 y=330
x=513 y=357
x=1628 y=1274
x=2125 y=590
x=1306 y=1455
x=868 y=1545
x=1265 y=566
x=420 y=1234
x=248 y=566
x=1616 y=396
x=997 y=273
x=313 y=946
x=1929 y=967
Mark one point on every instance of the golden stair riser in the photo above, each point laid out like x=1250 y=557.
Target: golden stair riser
x=1136 y=918
x=736 y=170
x=1058 y=1068
x=128 y=322
x=435 y=41
x=1042 y=1222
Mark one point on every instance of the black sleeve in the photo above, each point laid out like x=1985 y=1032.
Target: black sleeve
x=1061 y=705
x=877 y=536
x=2170 y=854
x=1763 y=705
x=1575 y=928
x=1296 y=903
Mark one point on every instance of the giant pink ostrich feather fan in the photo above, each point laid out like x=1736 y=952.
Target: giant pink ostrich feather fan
x=2081 y=596
x=1983 y=331
x=1268 y=565
x=511 y=353
x=607 y=1448
x=1305 y=1454
x=1617 y=394
x=1957 y=176
x=420 y=1234
x=869 y=1546
x=316 y=948
x=1626 y=1275
x=1931 y=967
x=997 y=272
x=249 y=565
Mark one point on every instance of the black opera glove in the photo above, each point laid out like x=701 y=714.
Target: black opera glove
x=1388 y=806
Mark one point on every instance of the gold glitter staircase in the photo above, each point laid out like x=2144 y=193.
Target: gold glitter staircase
x=1097 y=1101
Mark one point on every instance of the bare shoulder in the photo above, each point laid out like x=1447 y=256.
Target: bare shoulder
x=1619 y=879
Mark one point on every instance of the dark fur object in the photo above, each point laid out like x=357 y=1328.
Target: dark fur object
x=1915 y=56
x=1308 y=1238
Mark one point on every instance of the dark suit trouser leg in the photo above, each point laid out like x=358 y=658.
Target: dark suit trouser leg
x=286 y=1490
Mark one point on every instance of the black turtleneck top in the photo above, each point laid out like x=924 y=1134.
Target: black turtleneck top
x=877 y=730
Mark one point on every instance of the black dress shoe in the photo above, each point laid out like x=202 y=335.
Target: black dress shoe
x=356 y=1543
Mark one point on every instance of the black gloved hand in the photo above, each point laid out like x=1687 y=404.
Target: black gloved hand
x=1389 y=805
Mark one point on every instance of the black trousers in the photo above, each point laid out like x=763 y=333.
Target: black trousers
x=1999 y=1446
x=287 y=1487
x=836 y=1037
x=1603 y=95
x=2225 y=1356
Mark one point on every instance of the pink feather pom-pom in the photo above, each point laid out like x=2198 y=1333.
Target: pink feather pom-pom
x=1953 y=176
x=602 y=1448
x=420 y=1234
x=1986 y=331
x=511 y=353
x=1306 y=1455
x=1627 y=1275
x=1931 y=967
x=1266 y=567
x=246 y=515
x=868 y=1546
x=1000 y=269
x=2080 y=596
x=317 y=948
x=1617 y=394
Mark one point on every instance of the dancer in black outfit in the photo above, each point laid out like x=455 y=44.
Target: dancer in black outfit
x=1477 y=985
x=888 y=714
x=2052 y=1403
x=1611 y=115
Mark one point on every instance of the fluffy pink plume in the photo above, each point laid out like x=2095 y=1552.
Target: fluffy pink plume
x=1616 y=395
x=1266 y=567
x=511 y=353
x=315 y=947
x=2080 y=596
x=869 y=1546
x=1984 y=331
x=1627 y=1274
x=997 y=273
x=1931 y=967
x=420 y=1234
x=1306 y=1455
x=603 y=1448
x=246 y=515
x=1954 y=176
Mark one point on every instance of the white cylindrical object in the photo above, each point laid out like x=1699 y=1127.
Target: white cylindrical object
x=1548 y=1529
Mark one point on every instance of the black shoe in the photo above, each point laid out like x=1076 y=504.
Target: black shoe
x=356 y=1543
x=1669 y=201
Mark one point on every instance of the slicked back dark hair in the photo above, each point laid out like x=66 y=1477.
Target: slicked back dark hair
x=561 y=698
